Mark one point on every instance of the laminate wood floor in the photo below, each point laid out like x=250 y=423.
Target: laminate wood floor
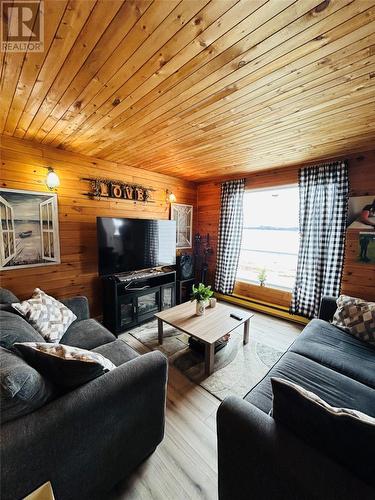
x=184 y=466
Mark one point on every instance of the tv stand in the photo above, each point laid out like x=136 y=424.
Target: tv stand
x=133 y=298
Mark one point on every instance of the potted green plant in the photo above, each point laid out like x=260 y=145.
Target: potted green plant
x=262 y=276
x=201 y=294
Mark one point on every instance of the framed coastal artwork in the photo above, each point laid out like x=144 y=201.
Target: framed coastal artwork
x=29 y=230
x=183 y=215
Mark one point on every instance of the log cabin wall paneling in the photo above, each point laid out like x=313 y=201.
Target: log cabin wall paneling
x=23 y=167
x=197 y=88
x=358 y=279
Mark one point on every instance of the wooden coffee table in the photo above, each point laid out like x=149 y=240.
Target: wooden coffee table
x=209 y=328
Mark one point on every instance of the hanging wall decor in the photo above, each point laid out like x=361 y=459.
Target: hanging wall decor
x=29 y=232
x=366 y=250
x=108 y=188
x=183 y=215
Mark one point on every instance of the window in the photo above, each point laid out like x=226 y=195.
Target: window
x=270 y=236
x=47 y=229
x=8 y=235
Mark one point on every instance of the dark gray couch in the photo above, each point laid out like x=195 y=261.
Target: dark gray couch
x=87 y=440
x=260 y=459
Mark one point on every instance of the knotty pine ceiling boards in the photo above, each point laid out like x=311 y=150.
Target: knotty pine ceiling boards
x=197 y=88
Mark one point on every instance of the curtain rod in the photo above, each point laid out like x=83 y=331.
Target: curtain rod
x=261 y=172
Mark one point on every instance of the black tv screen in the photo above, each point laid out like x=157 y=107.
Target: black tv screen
x=132 y=244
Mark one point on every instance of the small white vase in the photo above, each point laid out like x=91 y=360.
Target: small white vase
x=200 y=308
x=212 y=301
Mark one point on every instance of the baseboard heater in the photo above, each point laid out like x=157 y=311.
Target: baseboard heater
x=265 y=307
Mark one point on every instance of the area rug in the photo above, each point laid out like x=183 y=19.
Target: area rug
x=237 y=368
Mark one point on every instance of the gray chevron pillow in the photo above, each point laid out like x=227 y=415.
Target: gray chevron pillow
x=357 y=317
x=47 y=315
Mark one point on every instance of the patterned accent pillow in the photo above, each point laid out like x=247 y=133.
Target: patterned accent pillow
x=64 y=365
x=47 y=315
x=357 y=317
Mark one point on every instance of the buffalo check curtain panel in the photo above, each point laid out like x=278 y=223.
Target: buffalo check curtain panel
x=230 y=234
x=323 y=204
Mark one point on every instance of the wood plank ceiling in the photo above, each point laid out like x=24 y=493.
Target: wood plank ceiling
x=197 y=88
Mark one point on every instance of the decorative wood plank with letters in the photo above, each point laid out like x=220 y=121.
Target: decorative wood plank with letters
x=108 y=188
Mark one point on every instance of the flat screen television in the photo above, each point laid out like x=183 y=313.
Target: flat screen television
x=127 y=245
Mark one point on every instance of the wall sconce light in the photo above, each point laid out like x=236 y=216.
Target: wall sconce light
x=171 y=197
x=52 y=179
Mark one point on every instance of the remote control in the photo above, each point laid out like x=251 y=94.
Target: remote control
x=235 y=317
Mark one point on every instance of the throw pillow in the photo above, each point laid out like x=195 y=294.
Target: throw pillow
x=14 y=328
x=341 y=433
x=47 y=315
x=23 y=389
x=357 y=317
x=66 y=366
x=7 y=297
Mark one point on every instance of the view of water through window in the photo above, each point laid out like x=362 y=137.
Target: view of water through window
x=270 y=236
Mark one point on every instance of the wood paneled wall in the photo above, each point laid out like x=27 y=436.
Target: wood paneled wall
x=23 y=167
x=358 y=279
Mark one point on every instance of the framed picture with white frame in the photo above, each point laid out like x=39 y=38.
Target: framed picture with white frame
x=183 y=215
x=29 y=230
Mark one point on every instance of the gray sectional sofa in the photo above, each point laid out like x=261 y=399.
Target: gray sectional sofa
x=261 y=459
x=86 y=440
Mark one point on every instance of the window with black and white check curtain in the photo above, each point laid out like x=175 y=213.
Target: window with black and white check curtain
x=323 y=204
x=230 y=234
